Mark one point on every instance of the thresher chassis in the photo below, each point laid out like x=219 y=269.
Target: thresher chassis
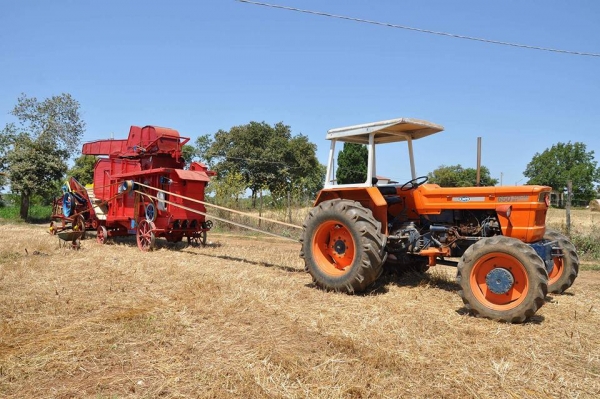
x=146 y=231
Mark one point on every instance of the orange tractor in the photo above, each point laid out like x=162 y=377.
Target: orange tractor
x=508 y=262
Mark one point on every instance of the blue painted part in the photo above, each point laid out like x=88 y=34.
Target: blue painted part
x=79 y=198
x=165 y=180
x=68 y=204
x=544 y=250
x=150 y=212
x=499 y=280
x=133 y=224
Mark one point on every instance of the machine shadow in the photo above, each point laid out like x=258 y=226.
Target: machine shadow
x=395 y=277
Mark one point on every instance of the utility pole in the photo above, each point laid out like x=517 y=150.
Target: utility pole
x=568 y=206
x=478 y=161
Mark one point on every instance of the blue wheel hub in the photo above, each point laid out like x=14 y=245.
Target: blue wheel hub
x=499 y=281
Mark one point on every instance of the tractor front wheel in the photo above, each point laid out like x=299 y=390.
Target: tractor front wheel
x=566 y=268
x=342 y=246
x=145 y=235
x=502 y=278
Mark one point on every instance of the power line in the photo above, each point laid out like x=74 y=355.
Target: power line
x=366 y=21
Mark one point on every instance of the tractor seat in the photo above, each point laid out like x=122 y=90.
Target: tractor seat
x=389 y=194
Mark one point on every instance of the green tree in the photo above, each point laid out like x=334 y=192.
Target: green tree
x=563 y=162
x=202 y=149
x=266 y=156
x=188 y=153
x=352 y=164
x=83 y=170
x=457 y=176
x=35 y=152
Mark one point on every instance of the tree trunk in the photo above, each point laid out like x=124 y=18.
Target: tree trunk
x=24 y=211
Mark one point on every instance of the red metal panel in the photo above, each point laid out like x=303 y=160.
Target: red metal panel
x=104 y=147
x=192 y=175
x=102 y=179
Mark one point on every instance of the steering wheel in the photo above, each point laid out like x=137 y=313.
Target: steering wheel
x=414 y=183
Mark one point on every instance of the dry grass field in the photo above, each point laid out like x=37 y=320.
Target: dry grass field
x=240 y=319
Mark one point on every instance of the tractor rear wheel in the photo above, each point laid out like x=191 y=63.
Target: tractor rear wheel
x=565 y=268
x=342 y=246
x=502 y=278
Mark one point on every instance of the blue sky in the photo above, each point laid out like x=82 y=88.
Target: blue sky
x=201 y=66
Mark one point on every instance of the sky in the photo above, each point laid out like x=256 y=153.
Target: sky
x=201 y=66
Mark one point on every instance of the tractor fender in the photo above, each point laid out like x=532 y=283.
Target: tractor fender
x=369 y=197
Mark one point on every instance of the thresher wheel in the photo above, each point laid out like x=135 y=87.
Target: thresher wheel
x=566 y=268
x=79 y=225
x=197 y=240
x=145 y=235
x=502 y=278
x=101 y=235
x=342 y=246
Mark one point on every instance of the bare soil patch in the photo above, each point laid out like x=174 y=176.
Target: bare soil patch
x=241 y=319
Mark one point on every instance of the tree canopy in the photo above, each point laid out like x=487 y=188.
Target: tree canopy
x=267 y=157
x=83 y=170
x=563 y=162
x=352 y=164
x=457 y=176
x=35 y=151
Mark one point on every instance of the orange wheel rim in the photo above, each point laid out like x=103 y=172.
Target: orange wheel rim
x=557 y=270
x=501 y=264
x=333 y=248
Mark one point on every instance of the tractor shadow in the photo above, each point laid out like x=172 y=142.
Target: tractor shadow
x=393 y=276
x=284 y=268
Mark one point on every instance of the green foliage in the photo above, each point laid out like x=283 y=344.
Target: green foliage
x=202 y=150
x=267 y=157
x=83 y=170
x=457 y=176
x=188 y=152
x=37 y=213
x=35 y=152
x=227 y=190
x=588 y=245
x=352 y=164
x=563 y=162
x=3 y=179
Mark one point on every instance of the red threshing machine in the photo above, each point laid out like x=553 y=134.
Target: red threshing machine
x=141 y=188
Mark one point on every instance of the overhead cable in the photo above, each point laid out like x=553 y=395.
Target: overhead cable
x=390 y=25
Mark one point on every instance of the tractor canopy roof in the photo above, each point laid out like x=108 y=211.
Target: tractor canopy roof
x=388 y=131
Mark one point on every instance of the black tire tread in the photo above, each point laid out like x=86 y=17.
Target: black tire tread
x=371 y=242
x=570 y=262
x=539 y=278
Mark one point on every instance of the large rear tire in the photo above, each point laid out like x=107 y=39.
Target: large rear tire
x=502 y=278
x=565 y=268
x=342 y=246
